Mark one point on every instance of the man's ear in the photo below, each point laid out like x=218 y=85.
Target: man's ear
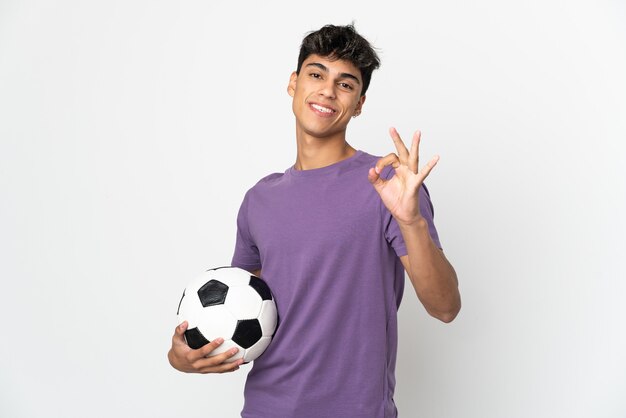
x=359 y=106
x=291 y=87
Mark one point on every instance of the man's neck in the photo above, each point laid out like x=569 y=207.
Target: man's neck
x=321 y=152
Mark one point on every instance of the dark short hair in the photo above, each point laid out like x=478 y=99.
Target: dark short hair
x=341 y=42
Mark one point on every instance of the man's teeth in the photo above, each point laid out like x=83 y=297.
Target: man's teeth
x=322 y=109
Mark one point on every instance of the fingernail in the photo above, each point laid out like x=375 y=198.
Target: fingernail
x=234 y=350
x=377 y=170
x=219 y=340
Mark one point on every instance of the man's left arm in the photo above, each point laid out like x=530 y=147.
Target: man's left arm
x=431 y=274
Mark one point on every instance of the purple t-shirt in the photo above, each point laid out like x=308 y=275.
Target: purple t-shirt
x=329 y=250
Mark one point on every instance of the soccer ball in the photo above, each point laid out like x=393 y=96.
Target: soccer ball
x=231 y=303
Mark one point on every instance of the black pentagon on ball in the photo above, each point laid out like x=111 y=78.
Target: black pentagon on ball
x=212 y=293
x=261 y=287
x=195 y=339
x=247 y=332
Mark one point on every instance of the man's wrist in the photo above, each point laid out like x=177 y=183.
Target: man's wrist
x=418 y=222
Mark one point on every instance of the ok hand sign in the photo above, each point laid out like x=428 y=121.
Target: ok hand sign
x=400 y=193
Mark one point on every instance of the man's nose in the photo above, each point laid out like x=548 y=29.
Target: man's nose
x=328 y=89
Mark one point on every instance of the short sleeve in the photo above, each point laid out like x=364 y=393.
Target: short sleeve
x=392 y=230
x=246 y=254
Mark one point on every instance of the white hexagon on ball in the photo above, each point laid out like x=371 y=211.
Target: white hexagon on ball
x=243 y=302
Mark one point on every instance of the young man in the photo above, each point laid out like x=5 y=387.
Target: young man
x=333 y=236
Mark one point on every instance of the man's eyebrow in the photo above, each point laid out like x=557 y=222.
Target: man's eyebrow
x=325 y=69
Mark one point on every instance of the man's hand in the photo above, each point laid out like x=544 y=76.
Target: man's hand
x=185 y=359
x=400 y=193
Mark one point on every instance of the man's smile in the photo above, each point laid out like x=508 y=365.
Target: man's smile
x=324 y=110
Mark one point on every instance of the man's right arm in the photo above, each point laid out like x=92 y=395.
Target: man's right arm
x=185 y=359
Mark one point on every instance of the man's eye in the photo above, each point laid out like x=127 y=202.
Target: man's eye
x=346 y=86
x=315 y=75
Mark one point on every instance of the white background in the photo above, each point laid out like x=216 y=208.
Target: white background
x=130 y=130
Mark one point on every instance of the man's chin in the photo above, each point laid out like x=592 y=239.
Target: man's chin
x=323 y=133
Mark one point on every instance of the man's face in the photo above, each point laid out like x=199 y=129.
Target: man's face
x=326 y=94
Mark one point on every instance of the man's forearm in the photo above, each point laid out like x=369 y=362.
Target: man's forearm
x=431 y=274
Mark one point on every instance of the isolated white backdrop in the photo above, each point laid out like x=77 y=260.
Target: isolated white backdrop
x=130 y=130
